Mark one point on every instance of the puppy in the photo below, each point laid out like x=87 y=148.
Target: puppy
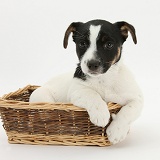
x=100 y=77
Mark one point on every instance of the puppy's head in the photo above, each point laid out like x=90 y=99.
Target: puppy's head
x=98 y=44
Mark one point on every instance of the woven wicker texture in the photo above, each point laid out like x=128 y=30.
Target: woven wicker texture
x=48 y=123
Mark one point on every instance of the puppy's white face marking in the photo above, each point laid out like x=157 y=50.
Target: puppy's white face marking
x=94 y=31
x=90 y=53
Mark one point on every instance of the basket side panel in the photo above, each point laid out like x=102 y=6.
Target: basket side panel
x=49 y=122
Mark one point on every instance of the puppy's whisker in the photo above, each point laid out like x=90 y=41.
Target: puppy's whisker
x=78 y=37
x=79 y=33
x=110 y=62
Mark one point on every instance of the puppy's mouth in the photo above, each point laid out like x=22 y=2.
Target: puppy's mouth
x=94 y=73
x=93 y=69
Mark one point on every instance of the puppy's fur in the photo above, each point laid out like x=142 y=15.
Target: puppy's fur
x=100 y=77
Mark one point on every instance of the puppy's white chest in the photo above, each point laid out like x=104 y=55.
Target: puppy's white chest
x=100 y=86
x=108 y=90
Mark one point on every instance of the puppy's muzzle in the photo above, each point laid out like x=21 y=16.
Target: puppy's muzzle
x=93 y=65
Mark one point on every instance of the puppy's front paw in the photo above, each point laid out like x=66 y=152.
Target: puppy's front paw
x=99 y=116
x=117 y=131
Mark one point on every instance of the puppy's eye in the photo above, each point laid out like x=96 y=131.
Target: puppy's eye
x=109 y=45
x=82 y=44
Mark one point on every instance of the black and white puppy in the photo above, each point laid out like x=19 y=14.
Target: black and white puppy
x=100 y=77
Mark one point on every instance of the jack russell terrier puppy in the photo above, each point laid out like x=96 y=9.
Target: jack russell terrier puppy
x=100 y=77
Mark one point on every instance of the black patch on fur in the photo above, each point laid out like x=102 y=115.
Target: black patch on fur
x=79 y=74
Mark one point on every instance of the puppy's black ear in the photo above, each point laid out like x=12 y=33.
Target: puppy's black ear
x=72 y=28
x=124 y=28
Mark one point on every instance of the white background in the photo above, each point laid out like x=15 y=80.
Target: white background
x=31 y=52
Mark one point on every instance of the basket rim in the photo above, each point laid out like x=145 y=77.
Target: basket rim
x=42 y=105
x=20 y=90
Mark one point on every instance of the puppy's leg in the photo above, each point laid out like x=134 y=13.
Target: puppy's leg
x=41 y=94
x=90 y=100
x=119 y=128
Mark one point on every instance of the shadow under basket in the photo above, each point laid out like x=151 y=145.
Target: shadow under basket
x=49 y=123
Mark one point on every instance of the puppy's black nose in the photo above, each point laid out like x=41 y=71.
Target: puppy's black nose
x=93 y=65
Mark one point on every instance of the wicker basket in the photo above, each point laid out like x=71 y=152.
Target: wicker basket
x=48 y=123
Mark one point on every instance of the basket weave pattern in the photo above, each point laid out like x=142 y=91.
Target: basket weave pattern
x=48 y=123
